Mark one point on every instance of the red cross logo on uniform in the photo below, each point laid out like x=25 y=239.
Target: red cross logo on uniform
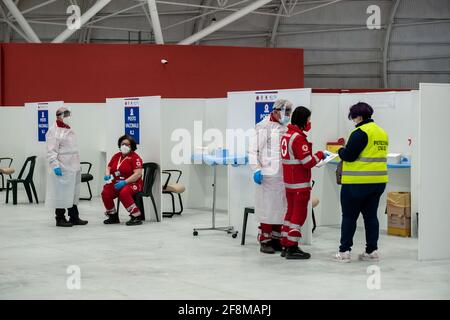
x=284 y=147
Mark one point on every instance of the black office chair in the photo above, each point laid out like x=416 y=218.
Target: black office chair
x=149 y=177
x=86 y=177
x=6 y=171
x=27 y=182
x=170 y=189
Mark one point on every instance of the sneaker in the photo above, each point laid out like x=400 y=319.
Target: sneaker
x=369 y=256
x=342 y=257
x=267 y=248
x=283 y=253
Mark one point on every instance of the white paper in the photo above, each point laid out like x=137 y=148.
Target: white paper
x=330 y=156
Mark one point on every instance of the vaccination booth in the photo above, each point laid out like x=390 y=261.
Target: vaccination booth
x=413 y=120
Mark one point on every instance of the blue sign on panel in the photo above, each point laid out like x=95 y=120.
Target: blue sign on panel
x=262 y=110
x=42 y=124
x=132 y=122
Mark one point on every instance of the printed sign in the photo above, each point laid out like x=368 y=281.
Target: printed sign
x=42 y=122
x=132 y=124
x=264 y=104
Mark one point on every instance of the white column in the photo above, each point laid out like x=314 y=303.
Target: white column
x=224 y=22
x=21 y=21
x=155 y=22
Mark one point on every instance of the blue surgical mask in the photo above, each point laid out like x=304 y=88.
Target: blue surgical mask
x=284 y=120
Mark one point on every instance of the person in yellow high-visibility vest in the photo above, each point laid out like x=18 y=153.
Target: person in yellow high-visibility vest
x=364 y=178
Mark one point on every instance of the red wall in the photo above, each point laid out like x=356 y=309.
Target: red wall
x=91 y=73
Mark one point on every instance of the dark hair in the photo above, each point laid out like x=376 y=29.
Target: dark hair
x=360 y=109
x=133 y=145
x=300 y=117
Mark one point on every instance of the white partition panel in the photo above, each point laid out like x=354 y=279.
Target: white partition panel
x=181 y=114
x=149 y=147
x=90 y=127
x=13 y=130
x=241 y=116
x=35 y=112
x=324 y=119
x=394 y=111
x=434 y=175
x=195 y=117
x=216 y=119
x=21 y=124
x=397 y=113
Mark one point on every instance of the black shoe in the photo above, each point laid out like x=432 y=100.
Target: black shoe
x=77 y=221
x=276 y=245
x=283 y=253
x=295 y=252
x=62 y=222
x=112 y=219
x=267 y=248
x=134 y=221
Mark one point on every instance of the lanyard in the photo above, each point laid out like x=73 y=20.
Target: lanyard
x=119 y=163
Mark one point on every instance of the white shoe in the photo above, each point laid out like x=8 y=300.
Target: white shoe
x=342 y=257
x=369 y=257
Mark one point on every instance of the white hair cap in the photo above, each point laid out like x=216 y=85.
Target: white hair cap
x=282 y=104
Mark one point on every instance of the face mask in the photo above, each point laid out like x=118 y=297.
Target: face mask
x=67 y=121
x=284 y=120
x=307 y=127
x=125 y=149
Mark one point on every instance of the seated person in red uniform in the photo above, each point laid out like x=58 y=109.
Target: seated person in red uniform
x=124 y=180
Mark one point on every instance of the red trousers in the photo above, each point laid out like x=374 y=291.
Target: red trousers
x=297 y=210
x=268 y=232
x=125 y=195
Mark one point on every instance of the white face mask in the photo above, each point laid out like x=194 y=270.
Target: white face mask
x=67 y=121
x=125 y=149
x=284 y=120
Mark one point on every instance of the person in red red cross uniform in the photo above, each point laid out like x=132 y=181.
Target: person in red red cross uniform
x=298 y=160
x=123 y=179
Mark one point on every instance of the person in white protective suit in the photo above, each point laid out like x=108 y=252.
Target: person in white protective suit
x=64 y=174
x=265 y=162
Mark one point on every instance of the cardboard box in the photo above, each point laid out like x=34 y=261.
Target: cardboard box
x=399 y=213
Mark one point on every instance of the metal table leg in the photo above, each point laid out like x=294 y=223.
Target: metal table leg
x=229 y=229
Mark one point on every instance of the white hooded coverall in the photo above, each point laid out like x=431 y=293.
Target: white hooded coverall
x=62 y=151
x=264 y=155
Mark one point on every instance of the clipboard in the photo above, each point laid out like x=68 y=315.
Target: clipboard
x=330 y=157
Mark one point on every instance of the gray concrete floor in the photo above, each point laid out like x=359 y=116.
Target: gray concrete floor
x=164 y=261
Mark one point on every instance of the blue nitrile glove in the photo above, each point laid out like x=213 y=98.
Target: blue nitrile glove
x=58 y=171
x=119 y=185
x=106 y=178
x=258 y=177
